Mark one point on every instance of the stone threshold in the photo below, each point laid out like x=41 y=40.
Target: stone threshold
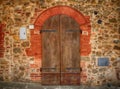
x=23 y=85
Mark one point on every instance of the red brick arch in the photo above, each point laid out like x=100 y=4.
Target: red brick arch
x=60 y=10
x=35 y=49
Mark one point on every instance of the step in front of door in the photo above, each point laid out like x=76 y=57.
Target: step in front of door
x=50 y=78
x=60 y=78
x=70 y=78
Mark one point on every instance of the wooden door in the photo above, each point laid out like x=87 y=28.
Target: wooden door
x=70 y=51
x=50 y=52
x=60 y=51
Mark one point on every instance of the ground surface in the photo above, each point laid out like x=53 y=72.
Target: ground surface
x=15 y=85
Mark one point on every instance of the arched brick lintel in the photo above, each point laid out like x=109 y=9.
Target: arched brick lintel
x=79 y=17
x=35 y=48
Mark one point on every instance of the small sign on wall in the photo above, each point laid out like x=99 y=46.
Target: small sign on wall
x=103 y=61
x=84 y=32
x=31 y=26
x=23 y=34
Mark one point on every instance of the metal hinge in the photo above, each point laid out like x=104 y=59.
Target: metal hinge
x=41 y=31
x=71 y=30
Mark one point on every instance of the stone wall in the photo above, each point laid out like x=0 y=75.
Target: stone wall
x=17 y=65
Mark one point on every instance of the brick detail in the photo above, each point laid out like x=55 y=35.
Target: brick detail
x=35 y=49
x=83 y=74
x=85 y=39
x=35 y=77
x=2 y=49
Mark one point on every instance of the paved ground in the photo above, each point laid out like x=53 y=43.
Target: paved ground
x=13 y=85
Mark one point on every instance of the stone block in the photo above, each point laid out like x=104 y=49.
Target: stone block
x=25 y=44
x=117 y=47
x=17 y=50
x=113 y=20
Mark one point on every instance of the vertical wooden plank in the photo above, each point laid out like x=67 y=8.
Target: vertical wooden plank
x=50 y=52
x=70 y=49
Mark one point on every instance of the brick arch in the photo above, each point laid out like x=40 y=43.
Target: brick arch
x=79 y=17
x=84 y=22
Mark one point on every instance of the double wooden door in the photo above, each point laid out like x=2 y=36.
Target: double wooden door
x=60 y=51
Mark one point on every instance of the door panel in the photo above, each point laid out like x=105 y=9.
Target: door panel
x=60 y=51
x=70 y=49
x=50 y=52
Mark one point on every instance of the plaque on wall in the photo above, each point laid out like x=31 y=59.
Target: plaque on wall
x=103 y=61
x=23 y=34
x=31 y=26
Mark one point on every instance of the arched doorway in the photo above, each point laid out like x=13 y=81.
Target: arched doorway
x=35 y=49
x=60 y=51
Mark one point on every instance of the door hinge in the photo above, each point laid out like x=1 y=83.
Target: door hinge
x=71 y=30
x=41 y=31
